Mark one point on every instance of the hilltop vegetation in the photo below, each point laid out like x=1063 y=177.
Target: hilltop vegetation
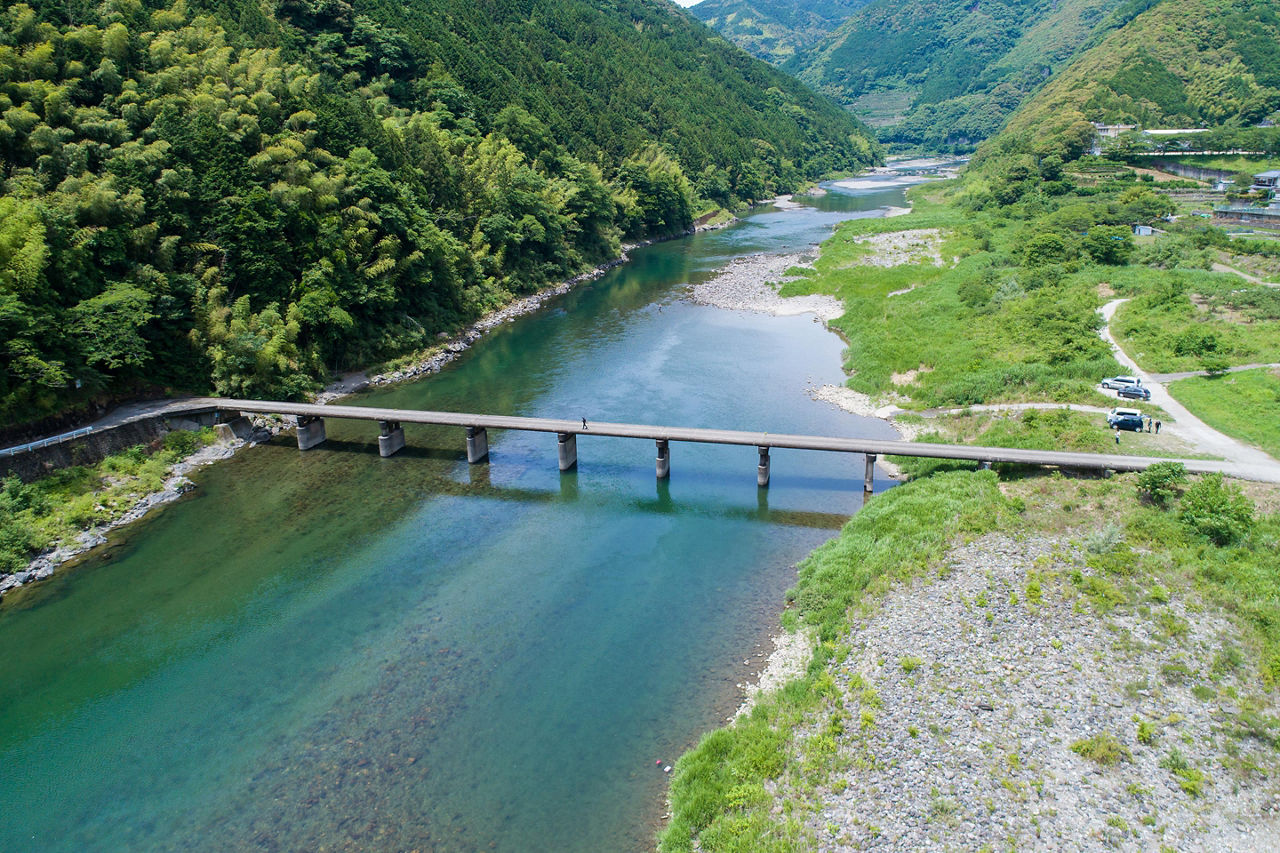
x=1181 y=63
x=247 y=207
x=948 y=75
x=964 y=67
x=775 y=30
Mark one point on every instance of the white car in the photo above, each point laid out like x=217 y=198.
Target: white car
x=1115 y=383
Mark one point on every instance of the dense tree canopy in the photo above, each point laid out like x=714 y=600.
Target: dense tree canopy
x=247 y=209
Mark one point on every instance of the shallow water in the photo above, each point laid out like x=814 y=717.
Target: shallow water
x=330 y=650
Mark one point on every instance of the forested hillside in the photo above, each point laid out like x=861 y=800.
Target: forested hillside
x=775 y=29
x=958 y=68
x=1182 y=63
x=231 y=199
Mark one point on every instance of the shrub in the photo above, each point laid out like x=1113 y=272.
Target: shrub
x=1102 y=748
x=1190 y=779
x=1160 y=482
x=1217 y=510
x=182 y=442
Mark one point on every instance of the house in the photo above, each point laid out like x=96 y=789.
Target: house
x=1111 y=131
x=1266 y=181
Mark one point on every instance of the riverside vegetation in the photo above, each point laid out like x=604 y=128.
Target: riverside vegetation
x=58 y=507
x=219 y=196
x=1126 y=592
x=1159 y=720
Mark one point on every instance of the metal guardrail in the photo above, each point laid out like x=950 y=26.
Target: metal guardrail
x=45 y=442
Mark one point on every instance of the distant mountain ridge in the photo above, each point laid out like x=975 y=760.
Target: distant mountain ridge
x=1181 y=63
x=942 y=74
x=965 y=66
x=775 y=30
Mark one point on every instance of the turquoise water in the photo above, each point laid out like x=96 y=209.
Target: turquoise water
x=331 y=650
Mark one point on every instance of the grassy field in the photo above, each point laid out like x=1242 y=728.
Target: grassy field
x=1149 y=551
x=1036 y=429
x=1258 y=266
x=1229 y=162
x=1186 y=319
x=968 y=332
x=1244 y=405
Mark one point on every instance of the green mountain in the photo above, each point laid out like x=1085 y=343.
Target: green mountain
x=1181 y=63
x=244 y=197
x=948 y=73
x=775 y=29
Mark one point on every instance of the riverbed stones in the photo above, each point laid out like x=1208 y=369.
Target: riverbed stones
x=966 y=693
x=751 y=284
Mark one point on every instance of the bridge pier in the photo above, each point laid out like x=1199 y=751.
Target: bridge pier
x=869 y=479
x=568 y=449
x=762 y=470
x=477 y=444
x=390 y=438
x=310 y=432
x=664 y=459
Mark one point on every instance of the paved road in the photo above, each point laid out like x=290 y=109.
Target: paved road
x=1199 y=434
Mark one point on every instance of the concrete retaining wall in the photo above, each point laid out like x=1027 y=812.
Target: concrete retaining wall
x=1196 y=173
x=93 y=448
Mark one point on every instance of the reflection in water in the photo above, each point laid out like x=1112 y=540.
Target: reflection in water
x=334 y=650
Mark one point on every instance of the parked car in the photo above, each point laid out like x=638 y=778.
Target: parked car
x=1130 y=419
x=1115 y=383
x=1134 y=392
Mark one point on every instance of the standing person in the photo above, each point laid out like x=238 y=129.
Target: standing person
x=1117 y=438
x=584 y=423
x=1157 y=427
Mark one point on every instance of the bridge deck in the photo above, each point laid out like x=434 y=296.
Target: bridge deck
x=1094 y=461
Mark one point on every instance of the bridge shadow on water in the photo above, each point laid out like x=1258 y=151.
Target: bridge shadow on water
x=666 y=499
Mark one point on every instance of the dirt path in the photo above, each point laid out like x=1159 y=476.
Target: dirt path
x=1217 y=267
x=1251 y=462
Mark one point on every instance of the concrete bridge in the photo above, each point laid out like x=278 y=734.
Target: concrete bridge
x=311 y=432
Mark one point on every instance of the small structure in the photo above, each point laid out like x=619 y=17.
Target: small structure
x=1266 y=181
x=1142 y=231
x=1111 y=131
x=1254 y=217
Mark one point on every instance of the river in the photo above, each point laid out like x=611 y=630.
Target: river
x=331 y=650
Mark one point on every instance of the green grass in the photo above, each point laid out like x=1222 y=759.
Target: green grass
x=1037 y=429
x=1228 y=162
x=1244 y=405
x=1179 y=320
x=718 y=790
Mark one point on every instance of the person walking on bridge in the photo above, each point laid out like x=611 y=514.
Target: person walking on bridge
x=584 y=423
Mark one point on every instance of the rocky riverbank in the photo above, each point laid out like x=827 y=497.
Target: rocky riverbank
x=751 y=284
x=998 y=705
